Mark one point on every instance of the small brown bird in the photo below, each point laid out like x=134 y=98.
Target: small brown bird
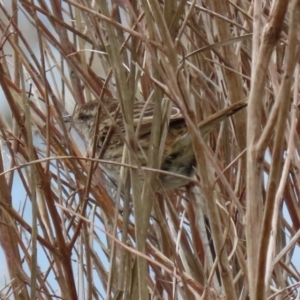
x=178 y=156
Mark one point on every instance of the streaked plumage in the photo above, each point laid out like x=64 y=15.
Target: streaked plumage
x=178 y=155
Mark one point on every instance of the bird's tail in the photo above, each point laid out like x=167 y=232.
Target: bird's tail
x=208 y=124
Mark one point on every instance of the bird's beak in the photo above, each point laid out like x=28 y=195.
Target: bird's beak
x=67 y=119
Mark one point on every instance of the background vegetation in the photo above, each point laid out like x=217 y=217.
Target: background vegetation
x=71 y=233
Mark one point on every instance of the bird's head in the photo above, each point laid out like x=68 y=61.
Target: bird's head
x=85 y=116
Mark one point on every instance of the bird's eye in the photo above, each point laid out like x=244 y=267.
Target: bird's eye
x=83 y=117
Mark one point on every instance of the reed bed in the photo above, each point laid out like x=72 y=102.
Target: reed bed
x=69 y=232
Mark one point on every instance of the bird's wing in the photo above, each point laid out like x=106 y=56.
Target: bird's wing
x=143 y=117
